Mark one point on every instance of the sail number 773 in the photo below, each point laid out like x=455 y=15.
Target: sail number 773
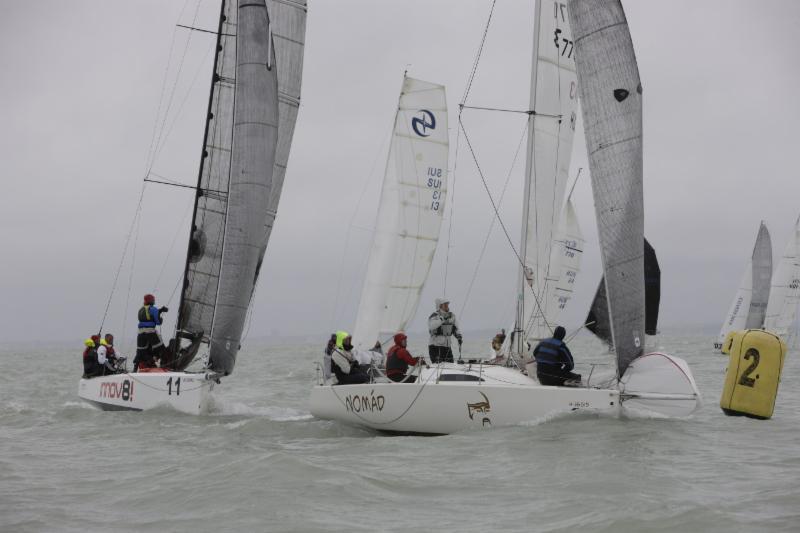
x=435 y=184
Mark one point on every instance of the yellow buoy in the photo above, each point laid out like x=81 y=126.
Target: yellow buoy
x=754 y=371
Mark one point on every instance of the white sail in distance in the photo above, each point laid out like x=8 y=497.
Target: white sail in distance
x=551 y=128
x=565 y=263
x=737 y=314
x=784 y=295
x=611 y=100
x=762 y=278
x=413 y=198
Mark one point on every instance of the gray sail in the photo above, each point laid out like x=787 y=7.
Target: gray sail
x=288 y=18
x=204 y=257
x=762 y=279
x=235 y=183
x=611 y=94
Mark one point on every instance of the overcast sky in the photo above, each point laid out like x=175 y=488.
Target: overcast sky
x=82 y=81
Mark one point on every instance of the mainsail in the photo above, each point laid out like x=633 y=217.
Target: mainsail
x=737 y=314
x=551 y=128
x=233 y=188
x=611 y=98
x=598 y=321
x=409 y=214
x=784 y=296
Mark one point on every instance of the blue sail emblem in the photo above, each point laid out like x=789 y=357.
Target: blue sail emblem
x=423 y=123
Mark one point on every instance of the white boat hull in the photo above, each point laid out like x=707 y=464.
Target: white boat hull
x=503 y=397
x=182 y=391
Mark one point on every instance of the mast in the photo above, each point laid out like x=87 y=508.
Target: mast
x=519 y=323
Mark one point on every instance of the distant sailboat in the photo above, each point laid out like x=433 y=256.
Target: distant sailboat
x=749 y=306
x=250 y=121
x=784 y=295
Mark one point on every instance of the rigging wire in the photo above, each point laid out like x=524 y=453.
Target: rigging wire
x=452 y=215
x=130 y=279
x=122 y=259
x=477 y=57
x=494 y=218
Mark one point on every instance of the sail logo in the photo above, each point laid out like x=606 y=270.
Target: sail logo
x=483 y=408
x=421 y=124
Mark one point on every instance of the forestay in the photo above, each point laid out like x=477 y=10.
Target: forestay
x=784 y=296
x=611 y=98
x=409 y=214
x=235 y=183
x=551 y=127
x=762 y=276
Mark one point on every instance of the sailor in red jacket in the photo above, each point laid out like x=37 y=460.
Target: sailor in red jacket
x=398 y=359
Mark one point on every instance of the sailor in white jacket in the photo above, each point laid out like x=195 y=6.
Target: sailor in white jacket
x=443 y=327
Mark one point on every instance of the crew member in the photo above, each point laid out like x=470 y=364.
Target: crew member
x=148 y=342
x=398 y=359
x=107 y=357
x=90 y=366
x=343 y=362
x=554 y=361
x=443 y=327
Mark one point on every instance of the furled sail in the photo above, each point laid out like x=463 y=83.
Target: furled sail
x=234 y=186
x=288 y=26
x=611 y=98
x=409 y=214
x=551 y=128
x=784 y=296
x=597 y=321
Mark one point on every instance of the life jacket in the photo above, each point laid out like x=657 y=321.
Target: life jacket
x=394 y=364
x=148 y=316
x=444 y=329
x=89 y=360
x=550 y=352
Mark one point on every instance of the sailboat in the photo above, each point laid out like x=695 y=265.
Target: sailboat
x=784 y=294
x=452 y=397
x=250 y=120
x=749 y=306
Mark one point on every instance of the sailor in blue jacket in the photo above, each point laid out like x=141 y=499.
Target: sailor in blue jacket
x=554 y=361
x=148 y=342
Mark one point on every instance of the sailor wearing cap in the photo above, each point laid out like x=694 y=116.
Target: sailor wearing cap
x=443 y=327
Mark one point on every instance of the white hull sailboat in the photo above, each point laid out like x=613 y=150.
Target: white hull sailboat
x=452 y=397
x=186 y=392
x=255 y=94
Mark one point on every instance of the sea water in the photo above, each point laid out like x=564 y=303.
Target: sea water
x=260 y=462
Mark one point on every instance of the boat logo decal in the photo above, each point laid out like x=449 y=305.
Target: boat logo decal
x=123 y=391
x=621 y=94
x=356 y=403
x=423 y=123
x=480 y=407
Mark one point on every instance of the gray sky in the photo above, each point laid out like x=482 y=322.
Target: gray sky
x=81 y=87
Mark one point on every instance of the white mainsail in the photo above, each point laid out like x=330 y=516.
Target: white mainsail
x=737 y=315
x=551 y=128
x=409 y=215
x=784 y=295
x=611 y=99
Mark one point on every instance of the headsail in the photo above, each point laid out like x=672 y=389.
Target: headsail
x=597 y=321
x=288 y=26
x=565 y=263
x=611 y=98
x=784 y=296
x=234 y=186
x=409 y=215
x=551 y=128
x=737 y=314
x=762 y=276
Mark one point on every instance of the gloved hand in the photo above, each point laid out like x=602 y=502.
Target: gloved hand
x=447 y=316
x=163 y=309
x=459 y=338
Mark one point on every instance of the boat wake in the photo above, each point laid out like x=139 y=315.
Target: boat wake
x=219 y=407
